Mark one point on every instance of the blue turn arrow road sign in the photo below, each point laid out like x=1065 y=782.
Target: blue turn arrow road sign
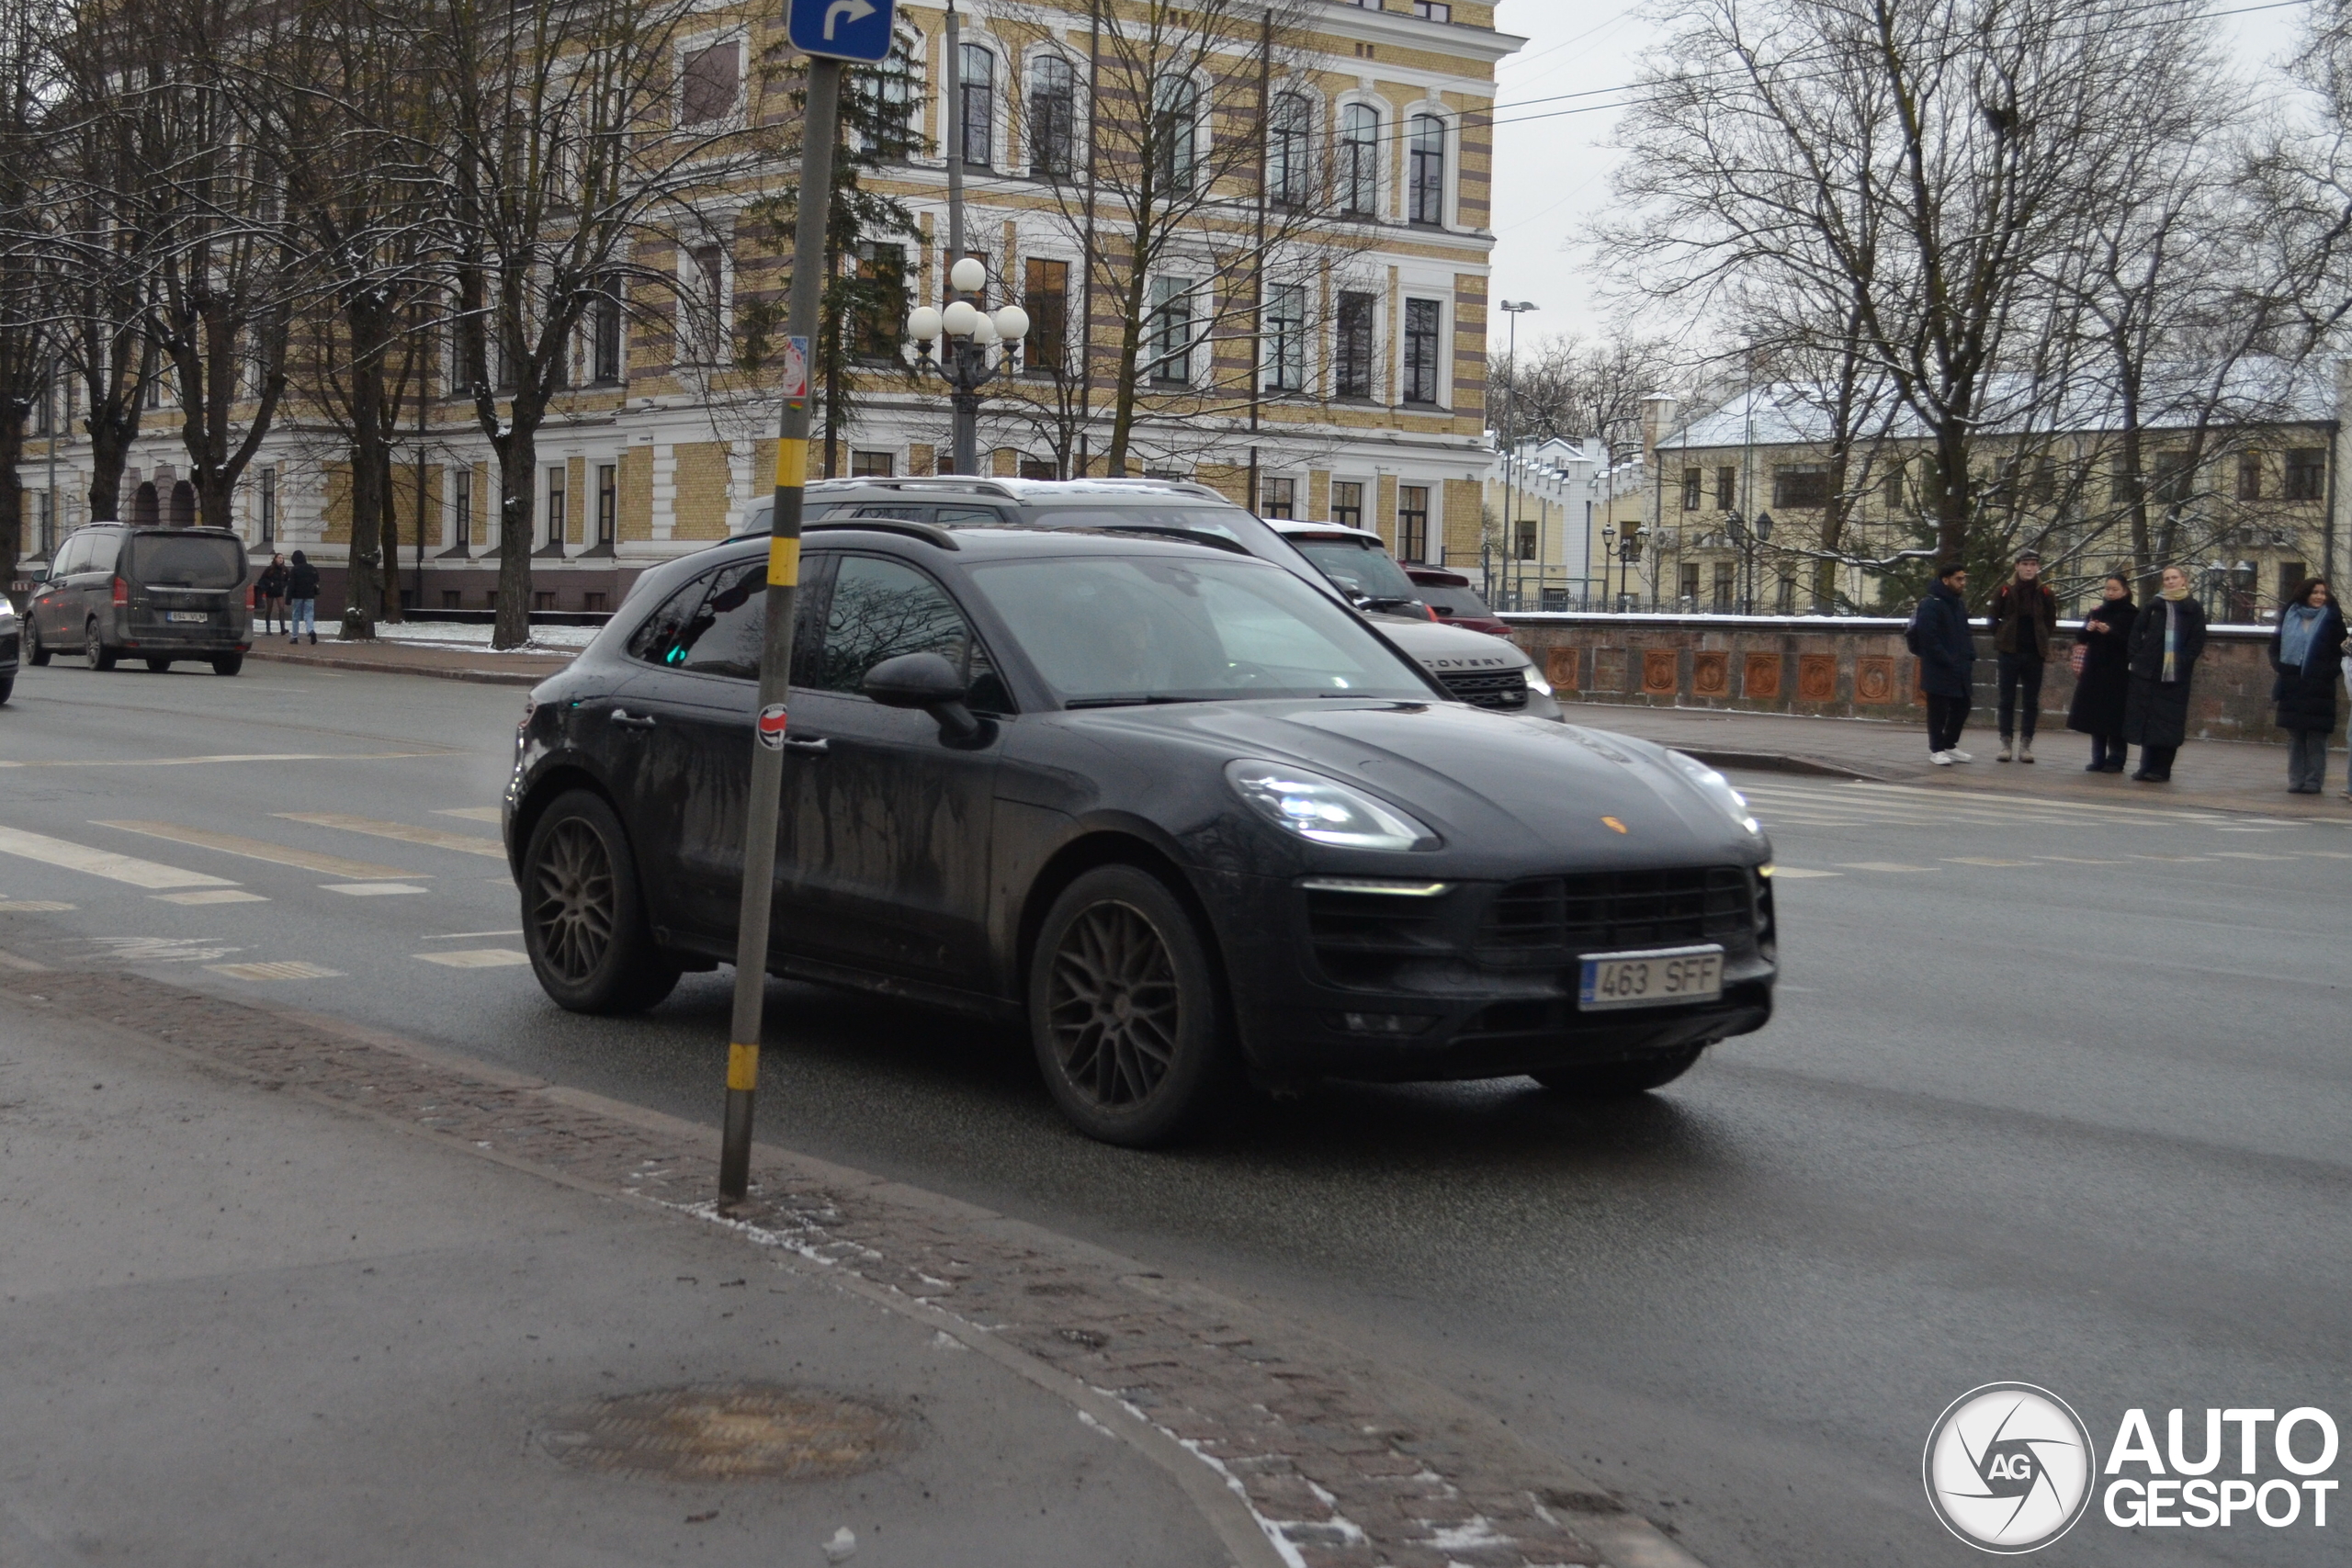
x=845 y=30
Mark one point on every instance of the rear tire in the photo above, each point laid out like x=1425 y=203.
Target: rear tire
x=94 y=649
x=1126 y=1012
x=228 y=664
x=159 y=666
x=36 y=652
x=583 y=916
x=1621 y=1080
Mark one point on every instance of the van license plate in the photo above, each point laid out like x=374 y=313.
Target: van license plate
x=196 y=617
x=1662 y=977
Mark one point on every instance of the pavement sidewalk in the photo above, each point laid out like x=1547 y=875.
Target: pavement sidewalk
x=275 y=1288
x=384 y=656
x=2216 y=776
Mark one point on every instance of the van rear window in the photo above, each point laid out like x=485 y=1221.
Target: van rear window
x=166 y=561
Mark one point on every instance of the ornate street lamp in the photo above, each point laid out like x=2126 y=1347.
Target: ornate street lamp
x=1608 y=549
x=1629 y=551
x=963 y=361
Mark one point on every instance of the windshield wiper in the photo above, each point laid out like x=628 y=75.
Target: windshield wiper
x=1128 y=702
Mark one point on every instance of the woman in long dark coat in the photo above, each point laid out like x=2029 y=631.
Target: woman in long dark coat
x=2308 y=652
x=2166 y=636
x=2106 y=679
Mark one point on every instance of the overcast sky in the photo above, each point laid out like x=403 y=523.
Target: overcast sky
x=1552 y=174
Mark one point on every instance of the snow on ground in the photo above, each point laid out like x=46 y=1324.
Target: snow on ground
x=442 y=633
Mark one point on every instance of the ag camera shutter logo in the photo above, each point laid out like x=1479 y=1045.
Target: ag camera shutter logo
x=2009 y=1467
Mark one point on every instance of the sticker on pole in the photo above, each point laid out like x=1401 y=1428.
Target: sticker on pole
x=842 y=30
x=796 y=367
x=772 y=727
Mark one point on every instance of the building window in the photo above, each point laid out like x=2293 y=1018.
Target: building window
x=1726 y=585
x=702 y=314
x=1523 y=541
x=1285 y=343
x=2122 y=485
x=1171 y=330
x=2306 y=473
x=1693 y=489
x=1892 y=490
x=1175 y=129
x=1347 y=504
x=1421 y=351
x=1289 y=167
x=1039 y=468
x=1412 y=523
x=543 y=600
x=452 y=598
x=1427 y=171
x=2249 y=476
x=1053 y=119
x=608 y=498
x=593 y=602
x=707 y=84
x=1359 y=160
x=1689 y=577
x=1355 y=347
x=604 y=332
x=464 y=499
x=1433 y=10
x=978 y=109
x=879 y=306
x=44 y=412
x=559 y=503
x=268 y=506
x=1278 y=498
x=2174 y=478
x=894 y=103
x=1726 y=488
x=1045 y=293
x=873 y=465
x=1804 y=486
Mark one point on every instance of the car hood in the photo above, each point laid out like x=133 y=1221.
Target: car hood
x=1510 y=797
x=1439 y=648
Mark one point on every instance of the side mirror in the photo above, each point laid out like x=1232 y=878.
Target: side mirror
x=928 y=682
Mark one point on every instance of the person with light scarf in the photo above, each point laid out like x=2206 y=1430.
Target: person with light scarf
x=2307 y=650
x=2166 y=638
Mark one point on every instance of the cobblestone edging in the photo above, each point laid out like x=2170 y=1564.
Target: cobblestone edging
x=1342 y=1462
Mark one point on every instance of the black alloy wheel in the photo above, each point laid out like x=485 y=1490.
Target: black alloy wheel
x=1124 y=1009
x=94 y=649
x=1621 y=1080
x=584 y=922
x=36 y=652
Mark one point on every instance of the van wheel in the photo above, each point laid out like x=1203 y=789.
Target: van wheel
x=1124 y=1011
x=7 y=685
x=583 y=916
x=1619 y=1080
x=228 y=664
x=37 y=653
x=159 y=666
x=94 y=649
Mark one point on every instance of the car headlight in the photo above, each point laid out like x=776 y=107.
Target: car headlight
x=1717 y=788
x=1322 y=810
x=8 y=611
x=1536 y=681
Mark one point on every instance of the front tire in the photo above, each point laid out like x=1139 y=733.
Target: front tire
x=94 y=649
x=1621 y=1080
x=228 y=664
x=159 y=666
x=36 y=652
x=583 y=916
x=7 y=688
x=1125 y=1011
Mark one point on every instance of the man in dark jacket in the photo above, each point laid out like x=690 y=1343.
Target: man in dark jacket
x=2023 y=614
x=1947 y=650
x=302 y=597
x=269 y=593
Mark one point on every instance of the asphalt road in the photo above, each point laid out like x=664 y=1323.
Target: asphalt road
x=2057 y=1093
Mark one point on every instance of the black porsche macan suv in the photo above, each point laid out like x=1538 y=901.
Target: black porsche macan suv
x=1184 y=814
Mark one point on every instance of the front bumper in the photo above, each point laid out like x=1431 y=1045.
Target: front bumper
x=1481 y=981
x=11 y=645
x=150 y=634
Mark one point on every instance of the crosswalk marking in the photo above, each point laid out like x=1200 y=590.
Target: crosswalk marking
x=369 y=889
x=475 y=958
x=1881 y=865
x=211 y=896
x=32 y=906
x=261 y=849
x=280 y=969
x=221 y=756
x=1799 y=874
x=407 y=834
x=1861 y=804
x=147 y=874
x=1981 y=860
x=473 y=813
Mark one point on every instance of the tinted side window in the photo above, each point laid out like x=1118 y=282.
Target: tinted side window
x=880 y=609
x=69 y=557
x=102 y=549
x=167 y=560
x=727 y=633
x=656 y=642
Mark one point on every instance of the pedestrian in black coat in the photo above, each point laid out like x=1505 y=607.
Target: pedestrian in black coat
x=269 y=591
x=2022 y=617
x=2308 y=652
x=2166 y=636
x=2105 y=681
x=1947 y=650
x=302 y=598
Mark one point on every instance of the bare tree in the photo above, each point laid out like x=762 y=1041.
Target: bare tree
x=1571 y=389
x=26 y=66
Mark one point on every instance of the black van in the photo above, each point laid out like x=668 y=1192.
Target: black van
x=154 y=594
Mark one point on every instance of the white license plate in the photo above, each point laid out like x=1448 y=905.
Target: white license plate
x=197 y=616
x=1661 y=977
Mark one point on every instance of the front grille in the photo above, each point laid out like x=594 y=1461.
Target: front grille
x=1362 y=938
x=1547 y=920
x=1486 y=688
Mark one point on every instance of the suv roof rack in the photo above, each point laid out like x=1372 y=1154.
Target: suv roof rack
x=1182 y=487
x=922 y=482
x=930 y=532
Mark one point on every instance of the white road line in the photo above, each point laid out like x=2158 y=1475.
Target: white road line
x=369 y=889
x=226 y=757
x=261 y=849
x=32 y=906
x=210 y=895
x=453 y=936
x=474 y=958
x=407 y=834
x=281 y=969
x=102 y=862
x=1798 y=873
x=473 y=813
x=1881 y=865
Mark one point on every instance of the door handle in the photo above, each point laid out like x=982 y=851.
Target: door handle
x=621 y=717
x=815 y=745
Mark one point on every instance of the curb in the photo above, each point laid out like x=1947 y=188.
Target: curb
x=386 y=667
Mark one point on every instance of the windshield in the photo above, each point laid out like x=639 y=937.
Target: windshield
x=1104 y=630
x=1455 y=604
x=1364 y=570
x=184 y=560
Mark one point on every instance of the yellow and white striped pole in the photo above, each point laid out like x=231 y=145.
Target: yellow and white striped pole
x=775 y=662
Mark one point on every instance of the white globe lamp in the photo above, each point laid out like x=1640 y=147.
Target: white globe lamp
x=968 y=276
x=960 y=319
x=1012 y=324
x=922 y=323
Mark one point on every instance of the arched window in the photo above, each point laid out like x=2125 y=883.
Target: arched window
x=1426 y=170
x=978 y=68
x=1360 y=160
x=1175 y=130
x=1053 y=119
x=1288 y=171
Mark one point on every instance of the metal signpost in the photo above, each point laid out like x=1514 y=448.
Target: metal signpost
x=828 y=31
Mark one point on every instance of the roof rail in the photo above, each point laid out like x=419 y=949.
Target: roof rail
x=930 y=532
x=922 y=482
x=1182 y=487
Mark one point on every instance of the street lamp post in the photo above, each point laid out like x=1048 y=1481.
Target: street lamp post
x=1629 y=550
x=1608 y=552
x=1763 y=535
x=963 y=361
x=1514 y=308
